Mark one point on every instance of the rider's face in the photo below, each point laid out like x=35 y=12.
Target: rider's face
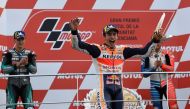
x=111 y=37
x=19 y=42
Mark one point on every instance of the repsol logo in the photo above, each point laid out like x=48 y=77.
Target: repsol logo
x=112 y=56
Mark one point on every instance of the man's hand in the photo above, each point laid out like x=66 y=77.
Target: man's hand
x=24 y=61
x=158 y=64
x=17 y=64
x=157 y=36
x=74 y=24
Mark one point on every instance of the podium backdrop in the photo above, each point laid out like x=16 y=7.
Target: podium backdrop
x=46 y=25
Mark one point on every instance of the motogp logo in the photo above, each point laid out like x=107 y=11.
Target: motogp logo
x=59 y=37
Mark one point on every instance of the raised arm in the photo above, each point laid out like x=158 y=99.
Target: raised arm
x=77 y=44
x=143 y=52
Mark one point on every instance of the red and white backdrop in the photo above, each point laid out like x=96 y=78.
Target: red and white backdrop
x=46 y=25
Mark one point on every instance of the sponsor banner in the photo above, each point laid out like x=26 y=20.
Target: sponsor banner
x=50 y=31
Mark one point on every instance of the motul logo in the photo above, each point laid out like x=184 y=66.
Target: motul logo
x=173 y=48
x=59 y=37
x=3 y=48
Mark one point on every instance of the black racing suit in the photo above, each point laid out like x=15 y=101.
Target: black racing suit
x=109 y=61
x=18 y=86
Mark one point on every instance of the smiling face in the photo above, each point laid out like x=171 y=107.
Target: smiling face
x=110 y=33
x=111 y=37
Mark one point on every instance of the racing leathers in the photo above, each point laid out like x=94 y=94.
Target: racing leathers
x=109 y=64
x=159 y=84
x=18 y=86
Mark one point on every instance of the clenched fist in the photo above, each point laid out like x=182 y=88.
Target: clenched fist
x=74 y=24
x=24 y=61
x=157 y=35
